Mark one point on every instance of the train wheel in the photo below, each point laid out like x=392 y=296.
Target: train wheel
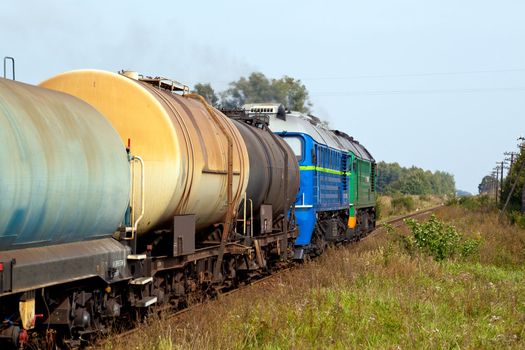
x=319 y=243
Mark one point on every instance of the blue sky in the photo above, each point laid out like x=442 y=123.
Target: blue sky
x=436 y=84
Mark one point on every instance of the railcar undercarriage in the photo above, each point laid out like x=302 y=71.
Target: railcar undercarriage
x=332 y=228
x=118 y=292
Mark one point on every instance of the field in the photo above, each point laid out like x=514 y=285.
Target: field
x=378 y=294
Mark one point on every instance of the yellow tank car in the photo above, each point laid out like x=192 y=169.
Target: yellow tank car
x=183 y=143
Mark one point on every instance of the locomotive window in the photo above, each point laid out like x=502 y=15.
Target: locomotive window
x=296 y=144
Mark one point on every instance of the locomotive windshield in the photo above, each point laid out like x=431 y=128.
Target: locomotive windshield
x=296 y=144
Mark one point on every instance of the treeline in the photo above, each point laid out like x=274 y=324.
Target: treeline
x=394 y=178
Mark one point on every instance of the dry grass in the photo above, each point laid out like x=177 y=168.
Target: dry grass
x=420 y=202
x=371 y=295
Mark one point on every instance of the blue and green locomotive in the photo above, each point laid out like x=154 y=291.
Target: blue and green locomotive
x=336 y=199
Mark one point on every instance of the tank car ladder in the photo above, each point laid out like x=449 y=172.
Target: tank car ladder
x=140 y=283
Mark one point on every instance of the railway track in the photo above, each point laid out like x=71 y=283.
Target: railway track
x=396 y=222
x=179 y=313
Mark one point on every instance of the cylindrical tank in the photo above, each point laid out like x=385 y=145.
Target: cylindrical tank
x=267 y=179
x=183 y=147
x=64 y=174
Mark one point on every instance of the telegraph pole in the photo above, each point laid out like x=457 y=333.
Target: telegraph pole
x=495 y=174
x=522 y=165
x=502 y=167
x=510 y=159
x=522 y=150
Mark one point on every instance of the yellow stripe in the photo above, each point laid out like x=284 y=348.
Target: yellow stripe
x=324 y=170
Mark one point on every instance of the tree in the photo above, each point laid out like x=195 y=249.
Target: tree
x=206 y=91
x=388 y=173
x=394 y=178
x=292 y=93
x=257 y=88
x=415 y=181
x=486 y=185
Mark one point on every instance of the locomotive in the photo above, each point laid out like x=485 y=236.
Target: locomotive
x=122 y=192
x=336 y=199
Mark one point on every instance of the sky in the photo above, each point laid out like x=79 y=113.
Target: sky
x=436 y=84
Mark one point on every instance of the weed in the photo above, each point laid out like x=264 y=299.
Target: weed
x=403 y=203
x=440 y=240
x=517 y=219
x=378 y=208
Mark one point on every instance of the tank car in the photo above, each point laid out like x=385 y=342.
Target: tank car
x=65 y=176
x=336 y=200
x=65 y=185
x=274 y=179
x=189 y=150
x=184 y=146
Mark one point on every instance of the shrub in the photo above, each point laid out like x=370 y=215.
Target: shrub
x=379 y=208
x=425 y=198
x=451 y=201
x=477 y=203
x=517 y=219
x=470 y=203
x=440 y=240
x=405 y=203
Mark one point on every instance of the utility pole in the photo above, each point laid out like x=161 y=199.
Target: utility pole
x=522 y=150
x=502 y=167
x=495 y=174
x=518 y=173
x=511 y=158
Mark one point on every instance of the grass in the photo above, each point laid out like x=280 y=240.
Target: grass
x=372 y=295
x=389 y=206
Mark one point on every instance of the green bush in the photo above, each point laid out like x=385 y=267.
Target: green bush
x=379 y=208
x=405 y=203
x=517 y=219
x=476 y=203
x=440 y=240
x=451 y=201
x=470 y=203
x=424 y=198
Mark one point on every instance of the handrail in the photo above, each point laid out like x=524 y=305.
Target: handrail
x=9 y=58
x=135 y=223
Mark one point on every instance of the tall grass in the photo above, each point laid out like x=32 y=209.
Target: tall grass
x=372 y=295
x=391 y=206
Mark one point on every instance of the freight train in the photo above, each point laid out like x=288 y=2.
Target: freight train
x=121 y=193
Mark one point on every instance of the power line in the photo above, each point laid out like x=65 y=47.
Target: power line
x=400 y=75
x=430 y=74
x=418 y=92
